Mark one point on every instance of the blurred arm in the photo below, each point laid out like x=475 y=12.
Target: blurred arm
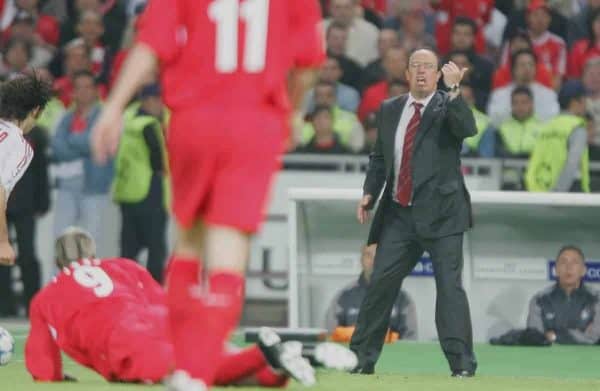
x=577 y=146
x=3 y=227
x=376 y=174
x=139 y=65
x=534 y=318
x=42 y=356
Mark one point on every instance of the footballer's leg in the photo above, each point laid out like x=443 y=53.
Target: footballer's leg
x=233 y=213
x=230 y=168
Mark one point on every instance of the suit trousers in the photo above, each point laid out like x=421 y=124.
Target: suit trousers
x=398 y=250
x=25 y=226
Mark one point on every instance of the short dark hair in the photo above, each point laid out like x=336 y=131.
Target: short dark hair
x=521 y=90
x=458 y=52
x=520 y=34
x=571 y=247
x=318 y=110
x=517 y=54
x=20 y=96
x=335 y=25
x=464 y=21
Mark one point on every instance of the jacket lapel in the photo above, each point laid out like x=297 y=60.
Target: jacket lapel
x=390 y=126
x=432 y=110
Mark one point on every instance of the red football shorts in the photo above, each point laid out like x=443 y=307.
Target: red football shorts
x=140 y=349
x=222 y=160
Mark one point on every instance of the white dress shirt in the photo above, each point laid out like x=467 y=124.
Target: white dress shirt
x=407 y=112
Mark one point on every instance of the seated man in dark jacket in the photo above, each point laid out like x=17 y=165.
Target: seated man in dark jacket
x=343 y=311
x=567 y=312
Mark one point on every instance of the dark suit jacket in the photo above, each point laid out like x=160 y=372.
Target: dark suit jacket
x=441 y=203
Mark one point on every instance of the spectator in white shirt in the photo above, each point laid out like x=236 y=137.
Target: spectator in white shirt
x=523 y=68
x=362 y=35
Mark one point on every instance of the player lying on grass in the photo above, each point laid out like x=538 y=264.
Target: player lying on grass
x=111 y=316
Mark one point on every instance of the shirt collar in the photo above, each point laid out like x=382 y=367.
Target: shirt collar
x=424 y=101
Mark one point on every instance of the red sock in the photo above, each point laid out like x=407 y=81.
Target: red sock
x=202 y=318
x=267 y=377
x=237 y=366
x=182 y=271
x=182 y=276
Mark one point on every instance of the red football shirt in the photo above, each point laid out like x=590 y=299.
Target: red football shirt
x=579 y=55
x=231 y=52
x=78 y=310
x=372 y=99
x=551 y=51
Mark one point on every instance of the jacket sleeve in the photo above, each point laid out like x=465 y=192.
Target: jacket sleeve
x=577 y=146
x=534 y=318
x=589 y=336
x=460 y=118
x=156 y=152
x=62 y=151
x=42 y=355
x=376 y=174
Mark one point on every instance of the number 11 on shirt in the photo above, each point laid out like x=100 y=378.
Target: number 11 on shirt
x=226 y=14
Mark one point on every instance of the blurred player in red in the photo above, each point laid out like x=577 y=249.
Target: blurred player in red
x=111 y=316
x=22 y=100
x=225 y=67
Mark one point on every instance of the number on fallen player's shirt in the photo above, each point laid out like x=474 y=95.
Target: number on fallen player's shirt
x=3 y=136
x=94 y=278
x=226 y=15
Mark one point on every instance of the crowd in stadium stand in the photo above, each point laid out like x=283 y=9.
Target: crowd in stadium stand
x=522 y=55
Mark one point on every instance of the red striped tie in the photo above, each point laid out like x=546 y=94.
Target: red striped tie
x=404 y=189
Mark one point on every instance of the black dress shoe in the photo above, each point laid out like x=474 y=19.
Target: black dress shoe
x=463 y=373
x=364 y=369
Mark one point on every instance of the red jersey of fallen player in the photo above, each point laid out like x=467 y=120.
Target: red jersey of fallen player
x=230 y=52
x=79 y=309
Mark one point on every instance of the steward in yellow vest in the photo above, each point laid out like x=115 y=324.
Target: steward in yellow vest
x=560 y=161
x=140 y=185
x=482 y=144
x=517 y=135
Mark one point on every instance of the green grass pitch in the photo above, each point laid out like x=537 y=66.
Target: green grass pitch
x=403 y=366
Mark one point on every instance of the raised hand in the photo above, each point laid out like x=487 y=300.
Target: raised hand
x=452 y=74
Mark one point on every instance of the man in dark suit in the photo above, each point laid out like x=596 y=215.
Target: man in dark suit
x=425 y=206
